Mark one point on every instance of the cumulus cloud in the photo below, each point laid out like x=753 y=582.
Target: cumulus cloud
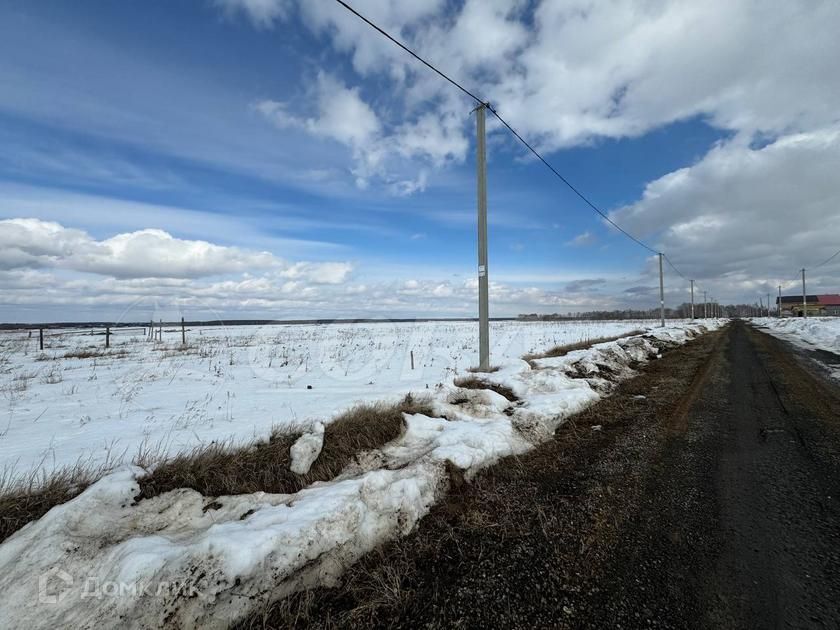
x=150 y=253
x=567 y=72
x=749 y=215
x=344 y=117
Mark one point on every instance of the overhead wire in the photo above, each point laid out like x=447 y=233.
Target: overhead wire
x=516 y=134
x=825 y=262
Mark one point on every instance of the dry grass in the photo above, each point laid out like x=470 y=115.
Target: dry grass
x=559 y=351
x=476 y=382
x=94 y=353
x=219 y=469
x=26 y=500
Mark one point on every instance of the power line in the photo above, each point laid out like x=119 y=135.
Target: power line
x=826 y=261
x=679 y=273
x=409 y=51
x=502 y=120
x=571 y=187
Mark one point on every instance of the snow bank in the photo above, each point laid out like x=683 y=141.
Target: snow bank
x=186 y=560
x=821 y=332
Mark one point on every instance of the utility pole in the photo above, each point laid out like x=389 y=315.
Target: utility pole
x=483 y=285
x=768 y=305
x=779 y=307
x=804 y=296
x=705 y=306
x=692 y=299
x=661 y=294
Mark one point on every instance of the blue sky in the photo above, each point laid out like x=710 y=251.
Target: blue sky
x=267 y=158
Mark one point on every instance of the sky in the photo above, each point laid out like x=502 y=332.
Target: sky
x=280 y=159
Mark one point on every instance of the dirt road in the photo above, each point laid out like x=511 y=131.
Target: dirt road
x=708 y=498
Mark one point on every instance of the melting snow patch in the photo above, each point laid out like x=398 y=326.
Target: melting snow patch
x=168 y=560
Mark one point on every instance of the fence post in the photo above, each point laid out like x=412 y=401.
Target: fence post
x=41 y=338
x=183 y=333
x=412 y=359
x=107 y=336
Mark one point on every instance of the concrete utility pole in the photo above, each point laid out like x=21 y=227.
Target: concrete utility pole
x=692 y=299
x=661 y=294
x=483 y=286
x=705 y=306
x=779 y=306
x=804 y=296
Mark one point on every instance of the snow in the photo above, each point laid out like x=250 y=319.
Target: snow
x=230 y=384
x=819 y=332
x=210 y=560
x=196 y=567
x=306 y=449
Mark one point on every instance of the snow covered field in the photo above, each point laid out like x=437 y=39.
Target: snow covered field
x=232 y=383
x=103 y=559
x=819 y=332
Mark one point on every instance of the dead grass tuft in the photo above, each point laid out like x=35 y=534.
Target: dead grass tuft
x=476 y=382
x=95 y=353
x=219 y=469
x=28 y=499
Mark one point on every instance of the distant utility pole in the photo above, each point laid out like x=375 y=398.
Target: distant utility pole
x=705 y=306
x=779 y=306
x=768 y=305
x=804 y=296
x=483 y=286
x=661 y=294
x=692 y=299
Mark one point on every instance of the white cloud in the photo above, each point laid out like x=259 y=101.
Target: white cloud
x=567 y=72
x=344 y=117
x=584 y=238
x=150 y=253
x=49 y=271
x=749 y=217
x=263 y=13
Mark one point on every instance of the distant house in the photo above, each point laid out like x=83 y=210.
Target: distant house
x=831 y=303
x=828 y=304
